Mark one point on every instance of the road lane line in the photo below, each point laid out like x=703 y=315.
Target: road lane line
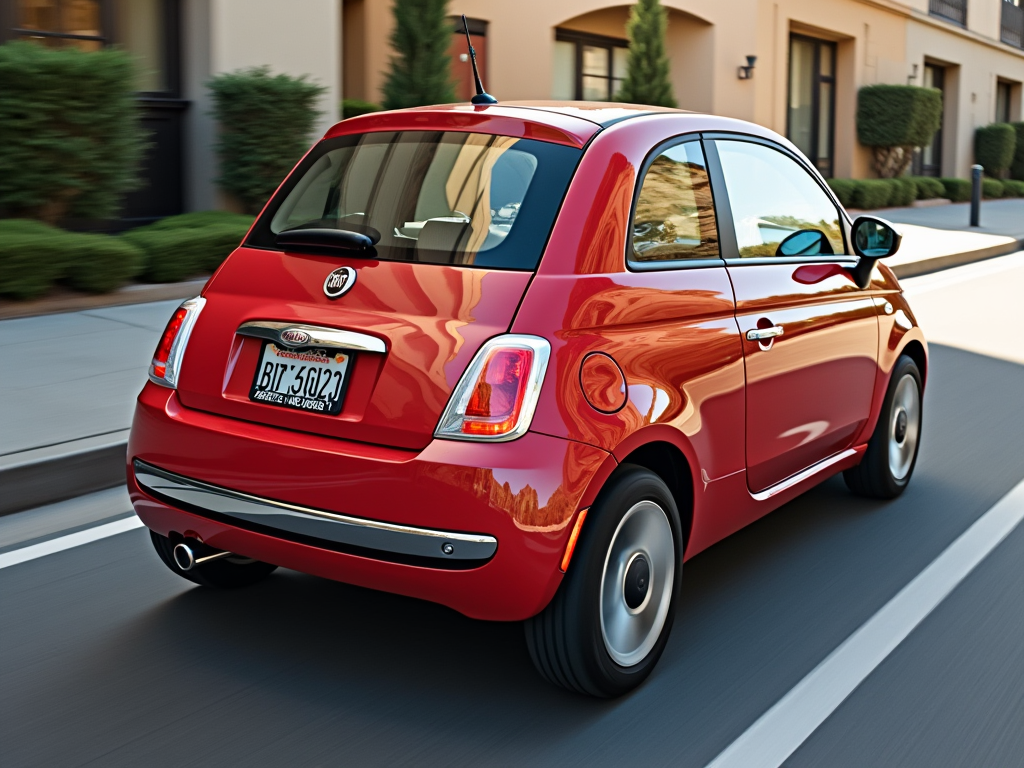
x=76 y=539
x=782 y=729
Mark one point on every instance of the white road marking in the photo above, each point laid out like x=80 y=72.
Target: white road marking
x=76 y=539
x=782 y=729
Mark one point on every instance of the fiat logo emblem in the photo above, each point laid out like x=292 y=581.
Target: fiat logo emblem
x=339 y=282
x=294 y=337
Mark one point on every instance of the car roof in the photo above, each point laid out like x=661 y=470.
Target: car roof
x=573 y=123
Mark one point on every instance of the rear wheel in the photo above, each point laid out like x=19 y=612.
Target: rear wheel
x=885 y=470
x=608 y=624
x=225 y=573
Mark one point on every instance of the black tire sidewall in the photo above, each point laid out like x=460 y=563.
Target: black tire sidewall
x=891 y=486
x=581 y=589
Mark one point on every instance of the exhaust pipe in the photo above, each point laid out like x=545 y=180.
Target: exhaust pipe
x=185 y=558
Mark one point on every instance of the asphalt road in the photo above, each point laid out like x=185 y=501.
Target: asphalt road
x=106 y=658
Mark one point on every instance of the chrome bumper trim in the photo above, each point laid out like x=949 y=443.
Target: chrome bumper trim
x=318 y=336
x=372 y=535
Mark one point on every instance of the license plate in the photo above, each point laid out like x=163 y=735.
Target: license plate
x=305 y=379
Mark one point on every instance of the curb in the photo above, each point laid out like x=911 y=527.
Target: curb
x=937 y=264
x=58 y=472
x=131 y=294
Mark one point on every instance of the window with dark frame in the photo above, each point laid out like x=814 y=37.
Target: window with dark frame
x=149 y=31
x=588 y=67
x=950 y=10
x=811 y=102
x=1012 y=23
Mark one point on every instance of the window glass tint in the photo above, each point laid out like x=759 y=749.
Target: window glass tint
x=444 y=198
x=772 y=199
x=675 y=215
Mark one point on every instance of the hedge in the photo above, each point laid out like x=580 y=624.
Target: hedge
x=893 y=119
x=991 y=188
x=183 y=246
x=33 y=256
x=994 y=147
x=872 y=193
x=928 y=187
x=1017 y=166
x=957 y=190
x=355 y=108
x=72 y=138
x=844 y=190
x=266 y=125
x=1013 y=188
x=904 y=192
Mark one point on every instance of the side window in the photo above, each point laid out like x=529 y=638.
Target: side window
x=675 y=216
x=777 y=208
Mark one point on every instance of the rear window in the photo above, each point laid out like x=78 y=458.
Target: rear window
x=439 y=197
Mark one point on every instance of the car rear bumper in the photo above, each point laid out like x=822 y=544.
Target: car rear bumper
x=362 y=514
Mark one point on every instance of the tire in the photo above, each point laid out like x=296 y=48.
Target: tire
x=602 y=634
x=888 y=463
x=227 y=573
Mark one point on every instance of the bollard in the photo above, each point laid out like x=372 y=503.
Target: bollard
x=975 y=195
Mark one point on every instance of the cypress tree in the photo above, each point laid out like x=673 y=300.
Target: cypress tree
x=420 y=73
x=646 y=79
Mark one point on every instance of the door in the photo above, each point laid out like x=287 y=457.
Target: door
x=809 y=335
x=811 y=113
x=928 y=160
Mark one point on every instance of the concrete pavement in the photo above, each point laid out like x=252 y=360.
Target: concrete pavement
x=108 y=658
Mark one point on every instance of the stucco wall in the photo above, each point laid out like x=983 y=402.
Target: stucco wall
x=300 y=37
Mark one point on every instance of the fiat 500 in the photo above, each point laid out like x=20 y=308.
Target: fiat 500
x=525 y=360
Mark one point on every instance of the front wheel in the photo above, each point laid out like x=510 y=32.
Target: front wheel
x=884 y=471
x=607 y=626
x=227 y=573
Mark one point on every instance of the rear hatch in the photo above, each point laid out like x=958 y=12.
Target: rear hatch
x=426 y=240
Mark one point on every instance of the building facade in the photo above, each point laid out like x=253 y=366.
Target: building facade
x=810 y=59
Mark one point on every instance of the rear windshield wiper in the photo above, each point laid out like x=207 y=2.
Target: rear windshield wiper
x=355 y=237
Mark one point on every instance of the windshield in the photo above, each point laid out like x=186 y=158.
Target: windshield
x=439 y=197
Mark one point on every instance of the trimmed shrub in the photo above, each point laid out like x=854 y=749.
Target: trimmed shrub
x=872 y=193
x=265 y=127
x=72 y=139
x=99 y=263
x=1013 y=188
x=647 y=77
x=355 y=108
x=957 y=190
x=843 y=189
x=991 y=189
x=893 y=119
x=904 y=192
x=33 y=256
x=994 y=148
x=928 y=187
x=421 y=73
x=1017 y=166
x=180 y=247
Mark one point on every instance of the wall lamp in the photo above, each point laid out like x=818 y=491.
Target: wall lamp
x=747 y=72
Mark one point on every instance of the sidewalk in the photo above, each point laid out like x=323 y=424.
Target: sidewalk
x=941 y=237
x=68 y=381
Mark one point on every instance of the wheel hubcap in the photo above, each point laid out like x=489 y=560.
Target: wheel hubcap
x=636 y=584
x=904 y=426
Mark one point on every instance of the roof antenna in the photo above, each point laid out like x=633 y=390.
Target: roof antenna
x=482 y=96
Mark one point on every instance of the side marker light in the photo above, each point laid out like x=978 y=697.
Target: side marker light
x=571 y=545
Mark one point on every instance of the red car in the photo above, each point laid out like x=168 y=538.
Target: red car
x=525 y=360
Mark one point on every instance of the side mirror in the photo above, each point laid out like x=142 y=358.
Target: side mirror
x=805 y=242
x=873 y=239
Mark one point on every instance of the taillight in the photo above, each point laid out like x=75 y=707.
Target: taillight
x=497 y=395
x=166 y=365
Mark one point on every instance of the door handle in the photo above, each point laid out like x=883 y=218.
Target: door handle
x=764 y=334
